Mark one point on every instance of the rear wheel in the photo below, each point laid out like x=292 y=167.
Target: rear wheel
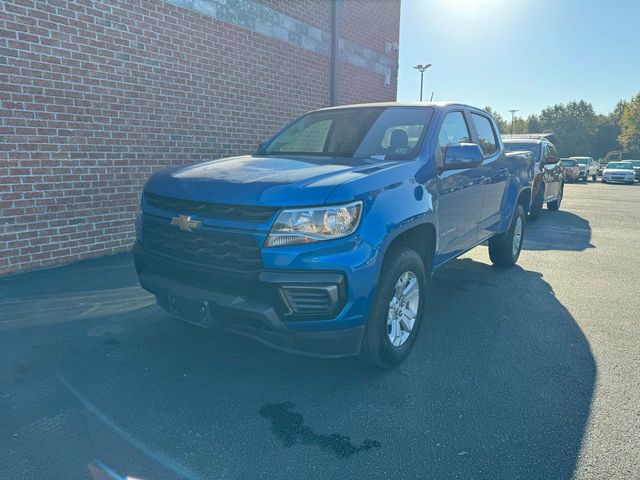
x=397 y=310
x=555 y=205
x=504 y=249
x=536 y=205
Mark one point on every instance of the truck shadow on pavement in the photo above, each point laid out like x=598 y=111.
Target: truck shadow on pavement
x=560 y=230
x=499 y=386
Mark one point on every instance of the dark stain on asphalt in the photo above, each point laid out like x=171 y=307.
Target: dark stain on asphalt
x=289 y=427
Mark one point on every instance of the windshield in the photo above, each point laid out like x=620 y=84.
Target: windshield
x=527 y=147
x=569 y=163
x=619 y=166
x=385 y=133
x=582 y=161
x=635 y=163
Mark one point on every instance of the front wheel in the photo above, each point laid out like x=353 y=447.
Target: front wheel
x=397 y=310
x=594 y=177
x=504 y=249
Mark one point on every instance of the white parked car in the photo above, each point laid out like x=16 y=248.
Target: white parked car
x=619 y=172
x=588 y=168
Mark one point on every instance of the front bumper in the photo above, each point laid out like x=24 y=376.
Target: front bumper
x=268 y=306
x=619 y=179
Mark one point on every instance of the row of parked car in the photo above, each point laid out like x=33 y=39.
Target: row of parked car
x=583 y=168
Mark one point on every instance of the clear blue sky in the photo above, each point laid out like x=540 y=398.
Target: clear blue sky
x=523 y=54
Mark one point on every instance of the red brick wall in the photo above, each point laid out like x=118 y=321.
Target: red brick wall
x=95 y=95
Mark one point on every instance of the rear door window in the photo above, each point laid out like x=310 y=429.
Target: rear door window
x=486 y=135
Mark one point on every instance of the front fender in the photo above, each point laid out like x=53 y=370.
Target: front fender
x=389 y=222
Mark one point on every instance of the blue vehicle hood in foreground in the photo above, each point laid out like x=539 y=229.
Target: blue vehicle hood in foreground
x=261 y=180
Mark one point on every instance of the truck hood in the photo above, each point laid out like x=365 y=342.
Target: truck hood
x=261 y=180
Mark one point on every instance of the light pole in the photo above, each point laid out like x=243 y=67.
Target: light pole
x=421 y=68
x=513 y=113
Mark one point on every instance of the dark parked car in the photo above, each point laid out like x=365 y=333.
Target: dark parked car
x=325 y=239
x=548 y=181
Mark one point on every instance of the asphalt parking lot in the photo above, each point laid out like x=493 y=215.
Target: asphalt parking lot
x=531 y=372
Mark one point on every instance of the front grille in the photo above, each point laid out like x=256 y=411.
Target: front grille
x=249 y=213
x=243 y=284
x=214 y=249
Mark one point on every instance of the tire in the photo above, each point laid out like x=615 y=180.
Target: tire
x=536 y=205
x=594 y=178
x=504 y=249
x=604 y=181
x=555 y=205
x=377 y=347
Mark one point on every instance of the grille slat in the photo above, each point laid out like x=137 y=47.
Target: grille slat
x=308 y=300
x=248 y=213
x=237 y=252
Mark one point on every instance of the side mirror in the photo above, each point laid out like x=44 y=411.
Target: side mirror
x=551 y=160
x=462 y=155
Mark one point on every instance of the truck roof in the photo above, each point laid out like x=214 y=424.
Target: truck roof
x=400 y=104
x=530 y=137
x=533 y=141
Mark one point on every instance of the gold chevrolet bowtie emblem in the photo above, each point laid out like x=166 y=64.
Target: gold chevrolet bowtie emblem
x=185 y=223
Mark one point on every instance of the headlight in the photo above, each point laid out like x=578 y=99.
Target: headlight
x=307 y=225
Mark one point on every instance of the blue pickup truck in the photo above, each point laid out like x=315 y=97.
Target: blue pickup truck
x=324 y=241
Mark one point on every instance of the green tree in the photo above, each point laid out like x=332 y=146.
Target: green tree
x=574 y=124
x=630 y=126
x=533 y=124
x=616 y=115
x=502 y=125
x=519 y=125
x=606 y=136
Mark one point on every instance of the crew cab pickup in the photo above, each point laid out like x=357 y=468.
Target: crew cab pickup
x=548 y=178
x=323 y=242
